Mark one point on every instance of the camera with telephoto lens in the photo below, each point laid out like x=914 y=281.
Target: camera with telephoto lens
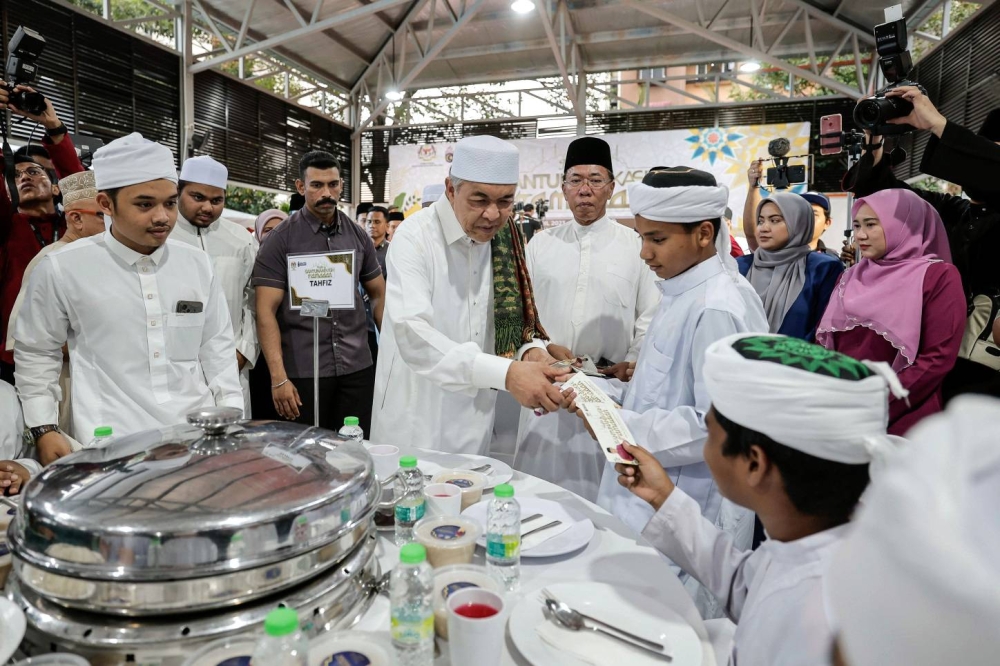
x=24 y=48
x=541 y=208
x=874 y=113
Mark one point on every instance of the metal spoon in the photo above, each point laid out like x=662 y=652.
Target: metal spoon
x=482 y=469
x=574 y=621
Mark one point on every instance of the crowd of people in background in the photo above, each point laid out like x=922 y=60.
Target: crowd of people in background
x=758 y=386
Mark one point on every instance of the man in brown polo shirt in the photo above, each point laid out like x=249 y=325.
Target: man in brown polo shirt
x=346 y=372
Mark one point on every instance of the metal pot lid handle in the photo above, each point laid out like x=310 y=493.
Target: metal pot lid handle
x=215 y=420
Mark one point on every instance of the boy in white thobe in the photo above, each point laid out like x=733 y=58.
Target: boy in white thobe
x=917 y=580
x=792 y=429
x=678 y=216
x=201 y=200
x=596 y=298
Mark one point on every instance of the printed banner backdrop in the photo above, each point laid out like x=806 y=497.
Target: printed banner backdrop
x=725 y=152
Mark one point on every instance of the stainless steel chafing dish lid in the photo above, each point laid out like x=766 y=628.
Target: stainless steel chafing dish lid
x=192 y=501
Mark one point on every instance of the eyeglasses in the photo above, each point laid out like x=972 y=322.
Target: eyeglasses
x=32 y=172
x=576 y=183
x=98 y=213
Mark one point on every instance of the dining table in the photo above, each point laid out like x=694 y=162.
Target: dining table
x=615 y=556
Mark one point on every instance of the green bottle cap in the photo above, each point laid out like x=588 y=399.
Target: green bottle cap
x=351 y=421
x=408 y=461
x=103 y=431
x=412 y=553
x=503 y=490
x=281 y=622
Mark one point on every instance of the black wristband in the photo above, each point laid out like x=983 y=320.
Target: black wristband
x=57 y=131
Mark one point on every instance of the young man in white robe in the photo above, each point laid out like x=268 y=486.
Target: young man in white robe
x=144 y=317
x=678 y=213
x=792 y=430
x=460 y=322
x=917 y=580
x=201 y=200
x=596 y=297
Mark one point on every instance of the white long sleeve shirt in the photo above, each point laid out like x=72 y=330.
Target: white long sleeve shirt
x=12 y=444
x=774 y=594
x=596 y=297
x=233 y=250
x=666 y=402
x=137 y=363
x=437 y=375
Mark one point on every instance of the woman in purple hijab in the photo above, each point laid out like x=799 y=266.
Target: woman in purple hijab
x=903 y=303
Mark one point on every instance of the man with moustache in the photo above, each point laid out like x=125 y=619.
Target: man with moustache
x=596 y=298
x=346 y=372
x=202 y=197
x=144 y=317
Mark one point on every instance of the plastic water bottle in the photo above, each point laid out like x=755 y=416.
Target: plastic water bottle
x=410 y=502
x=351 y=430
x=503 y=537
x=282 y=644
x=102 y=436
x=412 y=601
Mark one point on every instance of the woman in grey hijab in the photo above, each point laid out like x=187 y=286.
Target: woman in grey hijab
x=793 y=282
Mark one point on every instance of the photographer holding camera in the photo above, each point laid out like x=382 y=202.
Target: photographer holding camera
x=35 y=222
x=972 y=161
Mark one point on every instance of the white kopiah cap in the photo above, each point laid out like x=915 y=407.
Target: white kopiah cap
x=432 y=193
x=131 y=160
x=205 y=170
x=486 y=159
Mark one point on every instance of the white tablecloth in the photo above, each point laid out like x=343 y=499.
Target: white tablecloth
x=615 y=556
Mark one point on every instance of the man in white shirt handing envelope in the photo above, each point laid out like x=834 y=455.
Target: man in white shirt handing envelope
x=459 y=312
x=145 y=318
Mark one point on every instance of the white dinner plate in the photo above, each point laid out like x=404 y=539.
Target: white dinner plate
x=432 y=462
x=12 y=627
x=575 y=538
x=623 y=607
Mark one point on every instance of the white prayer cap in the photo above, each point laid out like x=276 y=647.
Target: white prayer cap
x=432 y=193
x=78 y=187
x=486 y=159
x=799 y=394
x=131 y=160
x=678 y=195
x=917 y=580
x=205 y=170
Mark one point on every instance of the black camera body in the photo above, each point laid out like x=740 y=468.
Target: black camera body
x=24 y=48
x=874 y=113
x=541 y=208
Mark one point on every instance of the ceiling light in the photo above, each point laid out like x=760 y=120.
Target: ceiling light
x=394 y=95
x=750 y=66
x=522 y=6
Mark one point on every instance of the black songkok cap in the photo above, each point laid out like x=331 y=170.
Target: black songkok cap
x=679 y=176
x=396 y=215
x=588 y=150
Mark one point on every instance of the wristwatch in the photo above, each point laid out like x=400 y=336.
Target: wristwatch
x=37 y=432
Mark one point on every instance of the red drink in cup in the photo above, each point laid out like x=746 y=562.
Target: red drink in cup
x=476 y=611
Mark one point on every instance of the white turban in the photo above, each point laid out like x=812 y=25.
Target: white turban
x=691 y=203
x=799 y=394
x=917 y=580
x=432 y=193
x=205 y=170
x=131 y=160
x=486 y=159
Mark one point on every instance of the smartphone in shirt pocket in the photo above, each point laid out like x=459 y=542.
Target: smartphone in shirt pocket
x=184 y=329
